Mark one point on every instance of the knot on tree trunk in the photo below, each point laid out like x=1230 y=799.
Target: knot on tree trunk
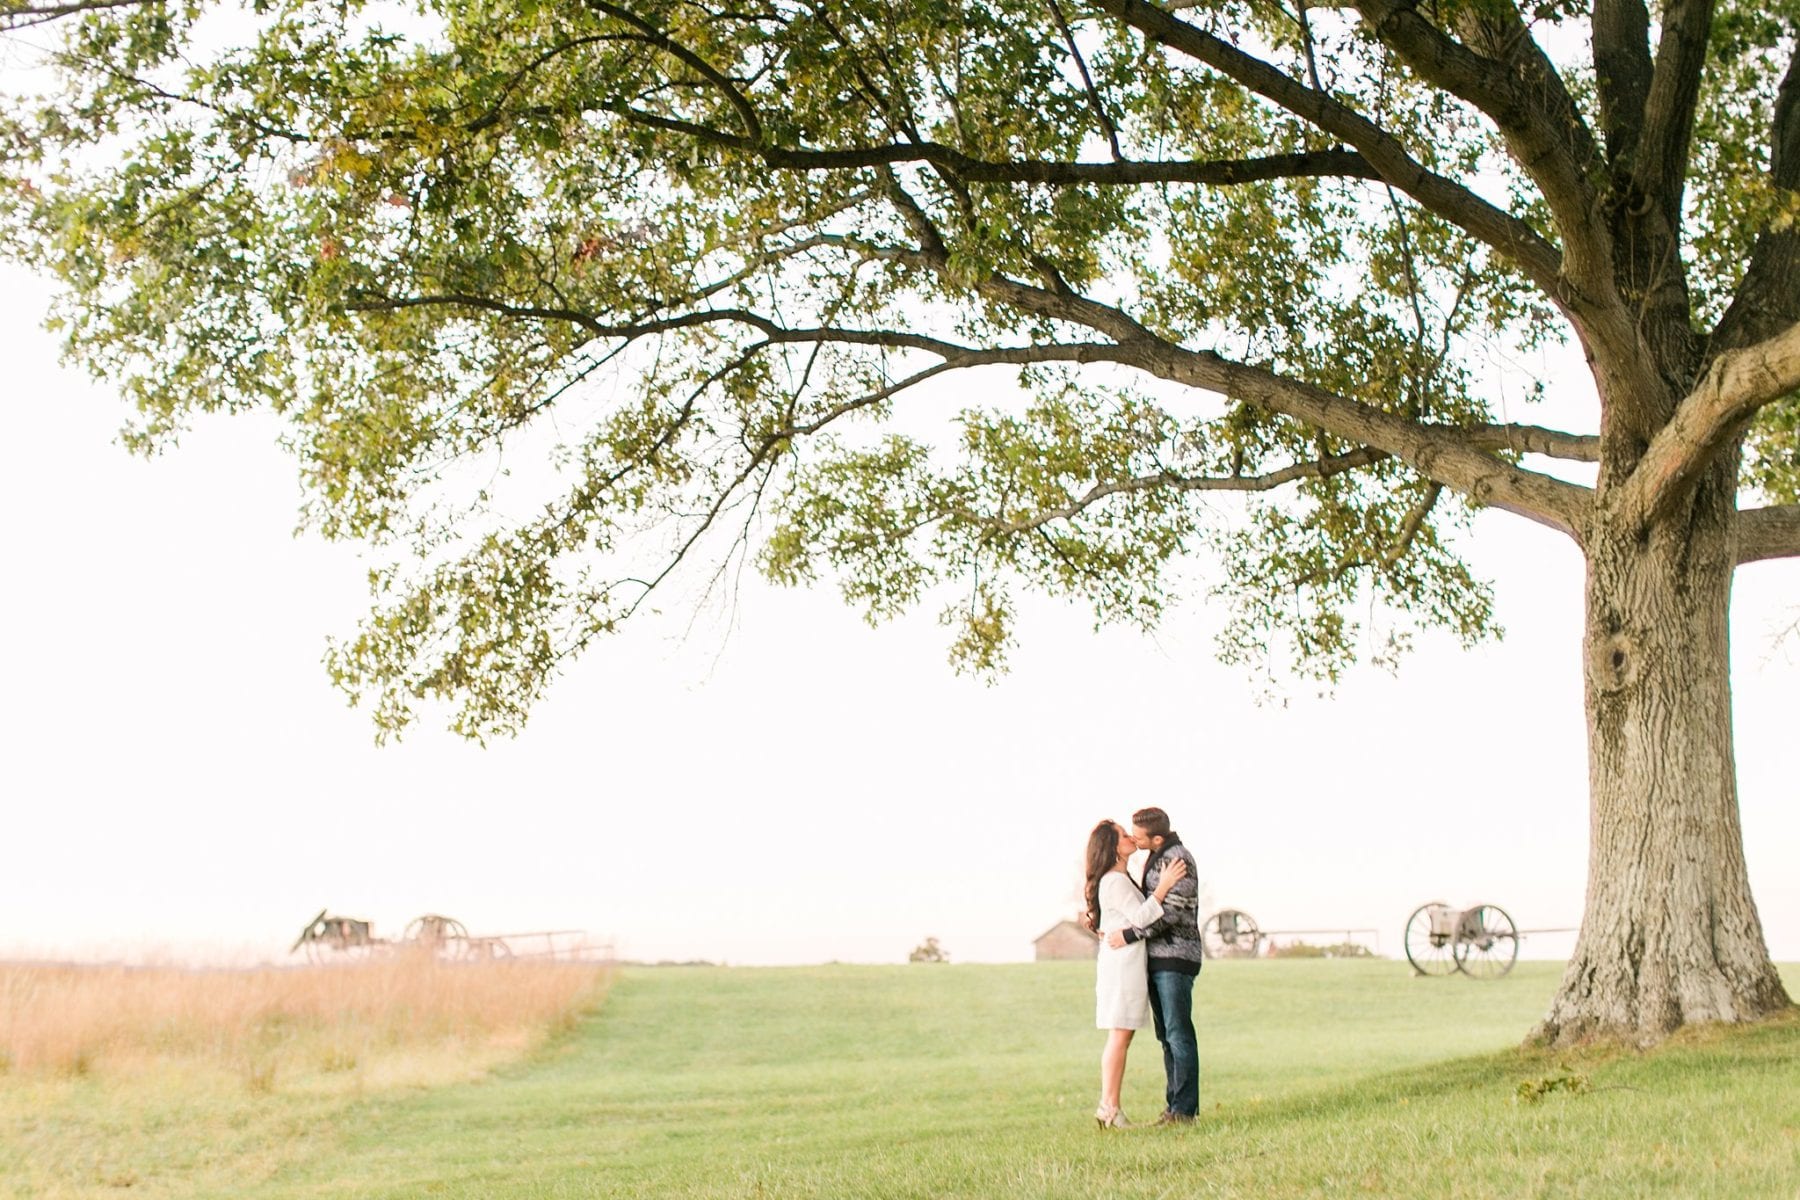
x=1613 y=661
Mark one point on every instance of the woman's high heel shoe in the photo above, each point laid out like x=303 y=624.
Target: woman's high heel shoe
x=1110 y=1118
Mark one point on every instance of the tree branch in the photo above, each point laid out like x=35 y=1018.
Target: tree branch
x=1316 y=164
x=1409 y=532
x=1735 y=386
x=1509 y=78
x=1455 y=456
x=1765 y=533
x=1521 y=92
x=1513 y=238
x=1662 y=154
x=1505 y=74
x=1441 y=455
x=657 y=37
x=1448 y=456
x=1319 y=469
x=1093 y=93
x=771 y=329
x=1458 y=457
x=1622 y=70
x=496 y=110
x=1532 y=439
x=15 y=15
x=1768 y=298
x=1409 y=528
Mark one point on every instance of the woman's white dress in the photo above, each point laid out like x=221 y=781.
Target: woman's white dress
x=1122 y=986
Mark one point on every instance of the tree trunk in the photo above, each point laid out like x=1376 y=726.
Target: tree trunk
x=1670 y=935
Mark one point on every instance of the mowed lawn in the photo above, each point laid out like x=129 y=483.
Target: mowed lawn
x=1320 y=1078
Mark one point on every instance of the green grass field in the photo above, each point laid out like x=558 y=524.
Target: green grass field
x=1320 y=1078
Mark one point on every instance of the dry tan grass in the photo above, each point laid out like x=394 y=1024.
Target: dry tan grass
x=400 y=1020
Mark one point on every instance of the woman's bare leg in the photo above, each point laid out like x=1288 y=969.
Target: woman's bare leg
x=1112 y=1066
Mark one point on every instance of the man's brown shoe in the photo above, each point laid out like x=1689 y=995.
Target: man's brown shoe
x=1175 y=1118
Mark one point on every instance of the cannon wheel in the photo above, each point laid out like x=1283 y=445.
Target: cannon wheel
x=1487 y=942
x=443 y=936
x=323 y=944
x=1429 y=953
x=1230 y=933
x=325 y=951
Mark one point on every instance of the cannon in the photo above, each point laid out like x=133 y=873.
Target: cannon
x=447 y=937
x=439 y=934
x=1481 y=941
x=1234 y=933
x=327 y=937
x=1230 y=933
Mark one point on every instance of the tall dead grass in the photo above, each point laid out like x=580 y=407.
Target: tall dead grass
x=408 y=1018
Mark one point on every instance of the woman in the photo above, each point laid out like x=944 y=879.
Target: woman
x=1121 y=988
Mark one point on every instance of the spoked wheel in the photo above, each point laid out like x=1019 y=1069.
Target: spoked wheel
x=1230 y=933
x=332 y=952
x=443 y=936
x=1431 y=939
x=1487 y=942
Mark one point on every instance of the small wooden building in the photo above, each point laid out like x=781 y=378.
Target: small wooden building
x=1065 y=939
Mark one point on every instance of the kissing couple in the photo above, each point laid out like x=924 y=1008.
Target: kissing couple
x=1149 y=956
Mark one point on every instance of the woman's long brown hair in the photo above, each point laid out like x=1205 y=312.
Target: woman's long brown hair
x=1102 y=856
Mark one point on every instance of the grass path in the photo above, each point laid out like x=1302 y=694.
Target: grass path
x=1319 y=1079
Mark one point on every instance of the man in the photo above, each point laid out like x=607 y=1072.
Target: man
x=1174 y=956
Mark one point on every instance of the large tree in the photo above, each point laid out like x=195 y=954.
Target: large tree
x=707 y=262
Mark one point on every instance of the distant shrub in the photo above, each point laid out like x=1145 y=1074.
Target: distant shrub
x=1309 y=950
x=929 y=951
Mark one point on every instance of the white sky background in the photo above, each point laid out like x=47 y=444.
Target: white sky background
x=178 y=778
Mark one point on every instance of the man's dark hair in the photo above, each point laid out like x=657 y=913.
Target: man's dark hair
x=1153 y=821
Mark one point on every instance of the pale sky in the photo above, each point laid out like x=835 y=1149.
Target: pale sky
x=179 y=777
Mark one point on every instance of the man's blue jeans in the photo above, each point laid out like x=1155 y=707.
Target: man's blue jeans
x=1172 y=1005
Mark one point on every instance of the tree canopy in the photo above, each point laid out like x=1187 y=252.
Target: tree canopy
x=710 y=258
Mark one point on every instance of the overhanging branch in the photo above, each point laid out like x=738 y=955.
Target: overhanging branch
x=1174 y=481
x=1513 y=238
x=650 y=327
x=1523 y=96
x=1445 y=456
x=24 y=15
x=1224 y=172
x=662 y=40
x=1455 y=457
x=1316 y=164
x=1461 y=458
x=1390 y=558
x=1577 y=279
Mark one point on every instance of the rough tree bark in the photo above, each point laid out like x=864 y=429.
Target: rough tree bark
x=1670 y=933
